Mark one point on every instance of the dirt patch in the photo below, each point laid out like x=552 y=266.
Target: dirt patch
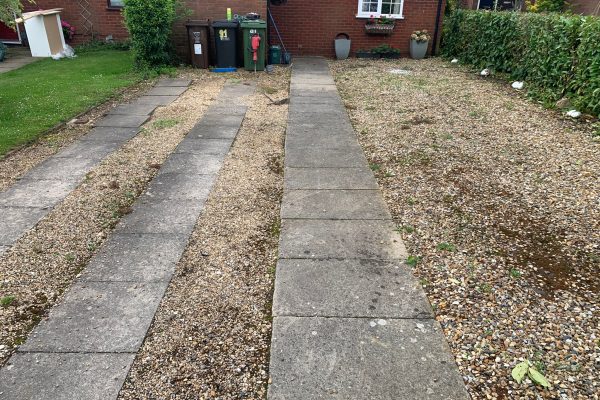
x=43 y=263
x=211 y=335
x=497 y=199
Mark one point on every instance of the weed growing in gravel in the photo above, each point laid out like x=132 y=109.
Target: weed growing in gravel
x=485 y=288
x=448 y=136
x=515 y=273
x=424 y=282
x=389 y=174
x=165 y=123
x=375 y=167
x=6 y=301
x=411 y=201
x=412 y=261
x=69 y=257
x=269 y=89
x=405 y=228
x=446 y=246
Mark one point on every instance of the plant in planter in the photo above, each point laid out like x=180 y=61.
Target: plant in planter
x=386 y=51
x=68 y=30
x=379 y=26
x=361 y=53
x=419 y=41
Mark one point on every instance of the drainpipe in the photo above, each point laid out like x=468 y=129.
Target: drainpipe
x=437 y=27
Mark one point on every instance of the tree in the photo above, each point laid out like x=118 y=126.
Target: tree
x=8 y=9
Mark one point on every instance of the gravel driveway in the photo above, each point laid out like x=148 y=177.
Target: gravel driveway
x=498 y=202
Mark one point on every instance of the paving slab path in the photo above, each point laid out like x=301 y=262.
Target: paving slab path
x=30 y=199
x=84 y=349
x=350 y=319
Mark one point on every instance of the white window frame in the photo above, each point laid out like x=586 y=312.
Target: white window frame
x=378 y=14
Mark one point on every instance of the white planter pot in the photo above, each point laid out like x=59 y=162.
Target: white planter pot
x=418 y=50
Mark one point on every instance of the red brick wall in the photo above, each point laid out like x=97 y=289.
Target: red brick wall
x=105 y=21
x=308 y=27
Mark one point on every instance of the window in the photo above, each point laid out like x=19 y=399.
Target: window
x=380 y=8
x=116 y=3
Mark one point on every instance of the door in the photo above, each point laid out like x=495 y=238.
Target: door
x=9 y=35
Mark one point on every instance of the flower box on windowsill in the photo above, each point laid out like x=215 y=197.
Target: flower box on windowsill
x=379 y=29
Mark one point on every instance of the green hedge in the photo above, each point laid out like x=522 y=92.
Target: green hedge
x=556 y=55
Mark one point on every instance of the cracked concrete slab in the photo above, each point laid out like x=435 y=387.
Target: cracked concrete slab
x=174 y=82
x=66 y=169
x=191 y=163
x=95 y=150
x=155 y=100
x=161 y=216
x=316 y=157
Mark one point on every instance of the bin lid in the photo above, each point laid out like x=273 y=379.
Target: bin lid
x=197 y=22
x=224 y=24
x=258 y=23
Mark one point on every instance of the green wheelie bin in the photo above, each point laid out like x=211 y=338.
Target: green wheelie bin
x=255 y=44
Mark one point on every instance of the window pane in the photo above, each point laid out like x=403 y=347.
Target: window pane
x=369 y=6
x=391 y=7
x=117 y=3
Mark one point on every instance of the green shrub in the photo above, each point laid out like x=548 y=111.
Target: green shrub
x=586 y=80
x=546 y=6
x=150 y=24
x=557 y=55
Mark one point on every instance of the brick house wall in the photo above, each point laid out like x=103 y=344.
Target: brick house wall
x=104 y=20
x=309 y=27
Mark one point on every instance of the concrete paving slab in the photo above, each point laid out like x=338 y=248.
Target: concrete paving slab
x=204 y=146
x=328 y=178
x=108 y=134
x=316 y=108
x=155 y=100
x=174 y=82
x=16 y=221
x=217 y=120
x=305 y=127
x=190 y=163
x=315 y=157
x=96 y=150
x=361 y=358
x=334 y=204
x=161 y=216
x=166 y=91
x=3 y=249
x=66 y=169
x=59 y=376
x=185 y=186
x=123 y=121
x=205 y=131
x=136 y=258
x=329 y=99
x=36 y=193
x=348 y=288
x=322 y=140
x=227 y=109
x=320 y=120
x=133 y=109
x=305 y=238
x=110 y=317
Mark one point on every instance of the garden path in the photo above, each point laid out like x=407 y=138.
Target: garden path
x=86 y=346
x=350 y=319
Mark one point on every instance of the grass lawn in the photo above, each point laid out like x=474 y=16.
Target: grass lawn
x=38 y=96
